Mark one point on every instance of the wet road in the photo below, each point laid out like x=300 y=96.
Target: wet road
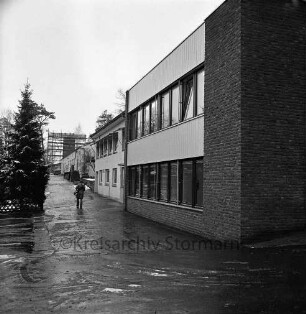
x=103 y=260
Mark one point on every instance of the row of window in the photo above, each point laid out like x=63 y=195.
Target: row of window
x=183 y=101
x=178 y=182
x=106 y=174
x=109 y=145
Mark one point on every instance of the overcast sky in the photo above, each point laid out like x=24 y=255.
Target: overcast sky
x=78 y=53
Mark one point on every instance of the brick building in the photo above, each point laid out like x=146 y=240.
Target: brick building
x=216 y=141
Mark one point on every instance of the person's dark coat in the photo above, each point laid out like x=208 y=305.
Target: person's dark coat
x=80 y=189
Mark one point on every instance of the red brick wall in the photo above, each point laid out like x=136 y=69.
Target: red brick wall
x=176 y=217
x=222 y=126
x=273 y=116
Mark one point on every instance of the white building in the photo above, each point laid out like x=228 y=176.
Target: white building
x=109 y=164
x=81 y=160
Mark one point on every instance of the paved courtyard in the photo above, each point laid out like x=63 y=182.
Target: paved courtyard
x=103 y=260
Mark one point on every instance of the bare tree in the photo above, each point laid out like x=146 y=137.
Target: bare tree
x=121 y=98
x=8 y=114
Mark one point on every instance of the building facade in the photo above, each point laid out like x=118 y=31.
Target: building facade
x=60 y=145
x=81 y=160
x=109 y=164
x=216 y=140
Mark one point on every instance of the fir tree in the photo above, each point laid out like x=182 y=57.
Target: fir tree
x=26 y=173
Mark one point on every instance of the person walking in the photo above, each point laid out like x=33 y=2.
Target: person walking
x=79 y=193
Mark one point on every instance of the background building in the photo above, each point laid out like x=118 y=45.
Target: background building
x=61 y=145
x=236 y=171
x=109 y=164
x=81 y=160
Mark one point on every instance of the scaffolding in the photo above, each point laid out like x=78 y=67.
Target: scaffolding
x=61 y=145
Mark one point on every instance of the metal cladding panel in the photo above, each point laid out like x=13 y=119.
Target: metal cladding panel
x=189 y=54
x=185 y=140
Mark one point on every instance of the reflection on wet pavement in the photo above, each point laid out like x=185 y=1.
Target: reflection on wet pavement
x=103 y=260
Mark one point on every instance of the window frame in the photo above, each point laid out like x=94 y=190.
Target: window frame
x=145 y=169
x=115 y=141
x=122 y=176
x=114 y=177
x=184 y=86
x=110 y=143
x=106 y=176
x=100 y=179
x=196 y=91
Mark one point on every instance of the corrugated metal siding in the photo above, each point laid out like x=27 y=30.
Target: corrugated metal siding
x=185 y=140
x=184 y=58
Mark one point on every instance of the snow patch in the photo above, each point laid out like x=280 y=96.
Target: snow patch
x=6 y=256
x=134 y=286
x=156 y=274
x=113 y=290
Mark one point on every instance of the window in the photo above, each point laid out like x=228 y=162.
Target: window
x=154 y=116
x=186 y=182
x=110 y=143
x=199 y=182
x=152 y=181
x=145 y=181
x=98 y=149
x=114 y=177
x=146 y=119
x=165 y=110
x=100 y=177
x=132 y=178
x=173 y=181
x=133 y=126
x=187 y=99
x=122 y=177
x=105 y=146
x=115 y=141
x=101 y=148
x=181 y=102
x=200 y=92
x=163 y=181
x=179 y=182
x=139 y=123
x=123 y=139
x=175 y=105
x=106 y=176
x=137 y=177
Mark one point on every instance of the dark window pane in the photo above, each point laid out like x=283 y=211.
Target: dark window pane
x=97 y=149
x=137 y=189
x=139 y=123
x=152 y=180
x=154 y=116
x=145 y=181
x=133 y=126
x=123 y=139
x=199 y=183
x=105 y=146
x=187 y=182
x=110 y=144
x=200 y=92
x=165 y=107
x=173 y=181
x=146 y=119
x=132 y=181
x=115 y=140
x=175 y=104
x=163 y=194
